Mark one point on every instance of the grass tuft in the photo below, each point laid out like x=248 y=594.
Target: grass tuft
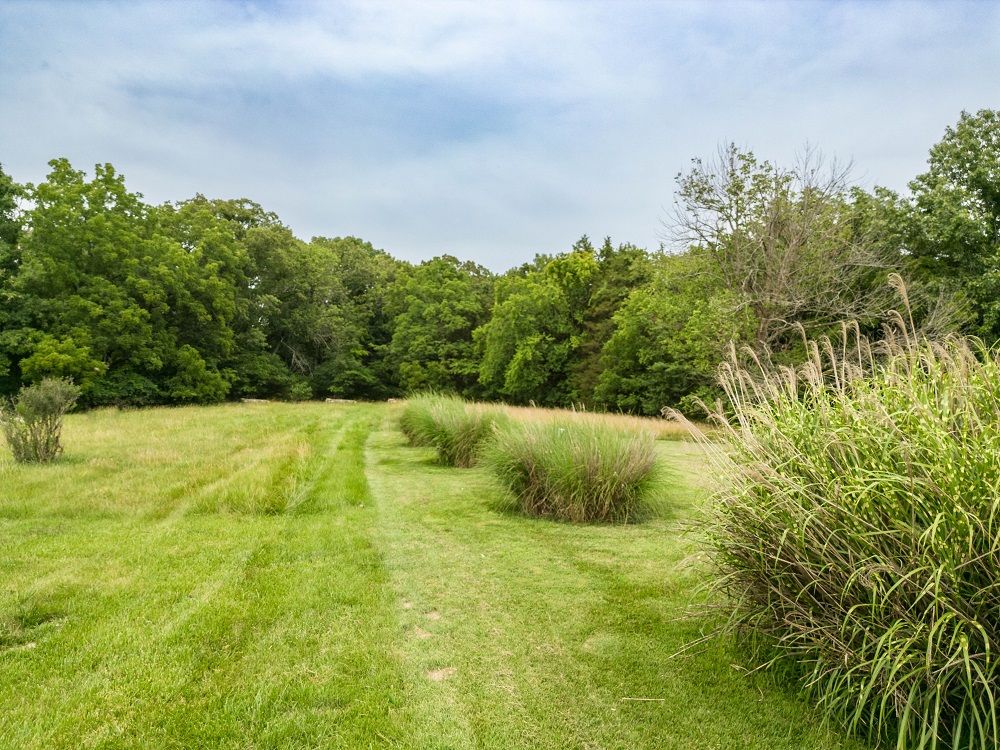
x=417 y=422
x=857 y=533
x=583 y=471
x=455 y=429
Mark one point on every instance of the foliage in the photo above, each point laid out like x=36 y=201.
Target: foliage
x=620 y=271
x=669 y=338
x=951 y=224
x=260 y=374
x=32 y=425
x=124 y=389
x=437 y=306
x=537 y=326
x=61 y=358
x=856 y=533
x=205 y=299
x=332 y=325
x=572 y=470
x=790 y=246
x=106 y=283
x=455 y=429
x=10 y=231
x=10 y=227
x=189 y=302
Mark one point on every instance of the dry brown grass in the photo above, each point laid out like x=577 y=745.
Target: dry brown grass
x=660 y=429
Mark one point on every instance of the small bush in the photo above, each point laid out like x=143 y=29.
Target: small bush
x=32 y=424
x=857 y=534
x=455 y=429
x=576 y=470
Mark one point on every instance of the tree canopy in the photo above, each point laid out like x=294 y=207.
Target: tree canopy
x=205 y=299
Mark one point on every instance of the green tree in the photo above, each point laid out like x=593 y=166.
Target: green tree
x=369 y=275
x=788 y=245
x=61 y=359
x=620 y=271
x=437 y=307
x=10 y=223
x=108 y=284
x=316 y=316
x=82 y=278
x=240 y=239
x=535 y=330
x=670 y=337
x=206 y=275
x=10 y=231
x=951 y=225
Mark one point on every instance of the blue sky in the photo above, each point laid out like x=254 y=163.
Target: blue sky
x=491 y=131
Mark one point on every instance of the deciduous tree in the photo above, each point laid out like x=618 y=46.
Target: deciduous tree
x=788 y=245
x=436 y=308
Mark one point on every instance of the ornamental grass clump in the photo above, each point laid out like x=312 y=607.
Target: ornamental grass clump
x=576 y=470
x=417 y=422
x=32 y=424
x=856 y=535
x=455 y=429
x=463 y=433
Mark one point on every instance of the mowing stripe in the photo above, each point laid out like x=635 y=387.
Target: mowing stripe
x=210 y=630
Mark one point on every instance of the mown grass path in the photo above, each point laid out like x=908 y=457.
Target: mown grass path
x=559 y=635
x=278 y=576
x=150 y=600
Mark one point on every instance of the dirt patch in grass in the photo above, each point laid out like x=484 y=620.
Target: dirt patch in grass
x=437 y=675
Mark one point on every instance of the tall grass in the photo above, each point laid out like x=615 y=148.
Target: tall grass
x=417 y=421
x=857 y=533
x=576 y=471
x=661 y=429
x=455 y=429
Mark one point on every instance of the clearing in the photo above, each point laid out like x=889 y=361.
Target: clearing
x=279 y=576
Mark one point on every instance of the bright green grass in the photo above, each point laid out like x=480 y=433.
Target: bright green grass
x=134 y=618
x=549 y=626
x=280 y=576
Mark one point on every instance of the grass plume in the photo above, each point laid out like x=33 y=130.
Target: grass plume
x=856 y=535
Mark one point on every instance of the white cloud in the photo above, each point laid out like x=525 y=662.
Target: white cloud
x=488 y=130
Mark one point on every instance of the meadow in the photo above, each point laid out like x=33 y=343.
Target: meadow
x=295 y=575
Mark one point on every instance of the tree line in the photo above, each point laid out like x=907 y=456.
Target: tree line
x=204 y=300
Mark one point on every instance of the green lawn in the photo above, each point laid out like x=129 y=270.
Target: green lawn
x=286 y=576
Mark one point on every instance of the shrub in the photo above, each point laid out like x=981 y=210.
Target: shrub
x=857 y=535
x=576 y=470
x=124 y=389
x=455 y=429
x=32 y=424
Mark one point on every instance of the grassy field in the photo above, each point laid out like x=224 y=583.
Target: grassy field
x=268 y=575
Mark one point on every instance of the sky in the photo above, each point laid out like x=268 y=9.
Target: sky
x=491 y=131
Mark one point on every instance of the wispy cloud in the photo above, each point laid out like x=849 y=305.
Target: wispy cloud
x=488 y=130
